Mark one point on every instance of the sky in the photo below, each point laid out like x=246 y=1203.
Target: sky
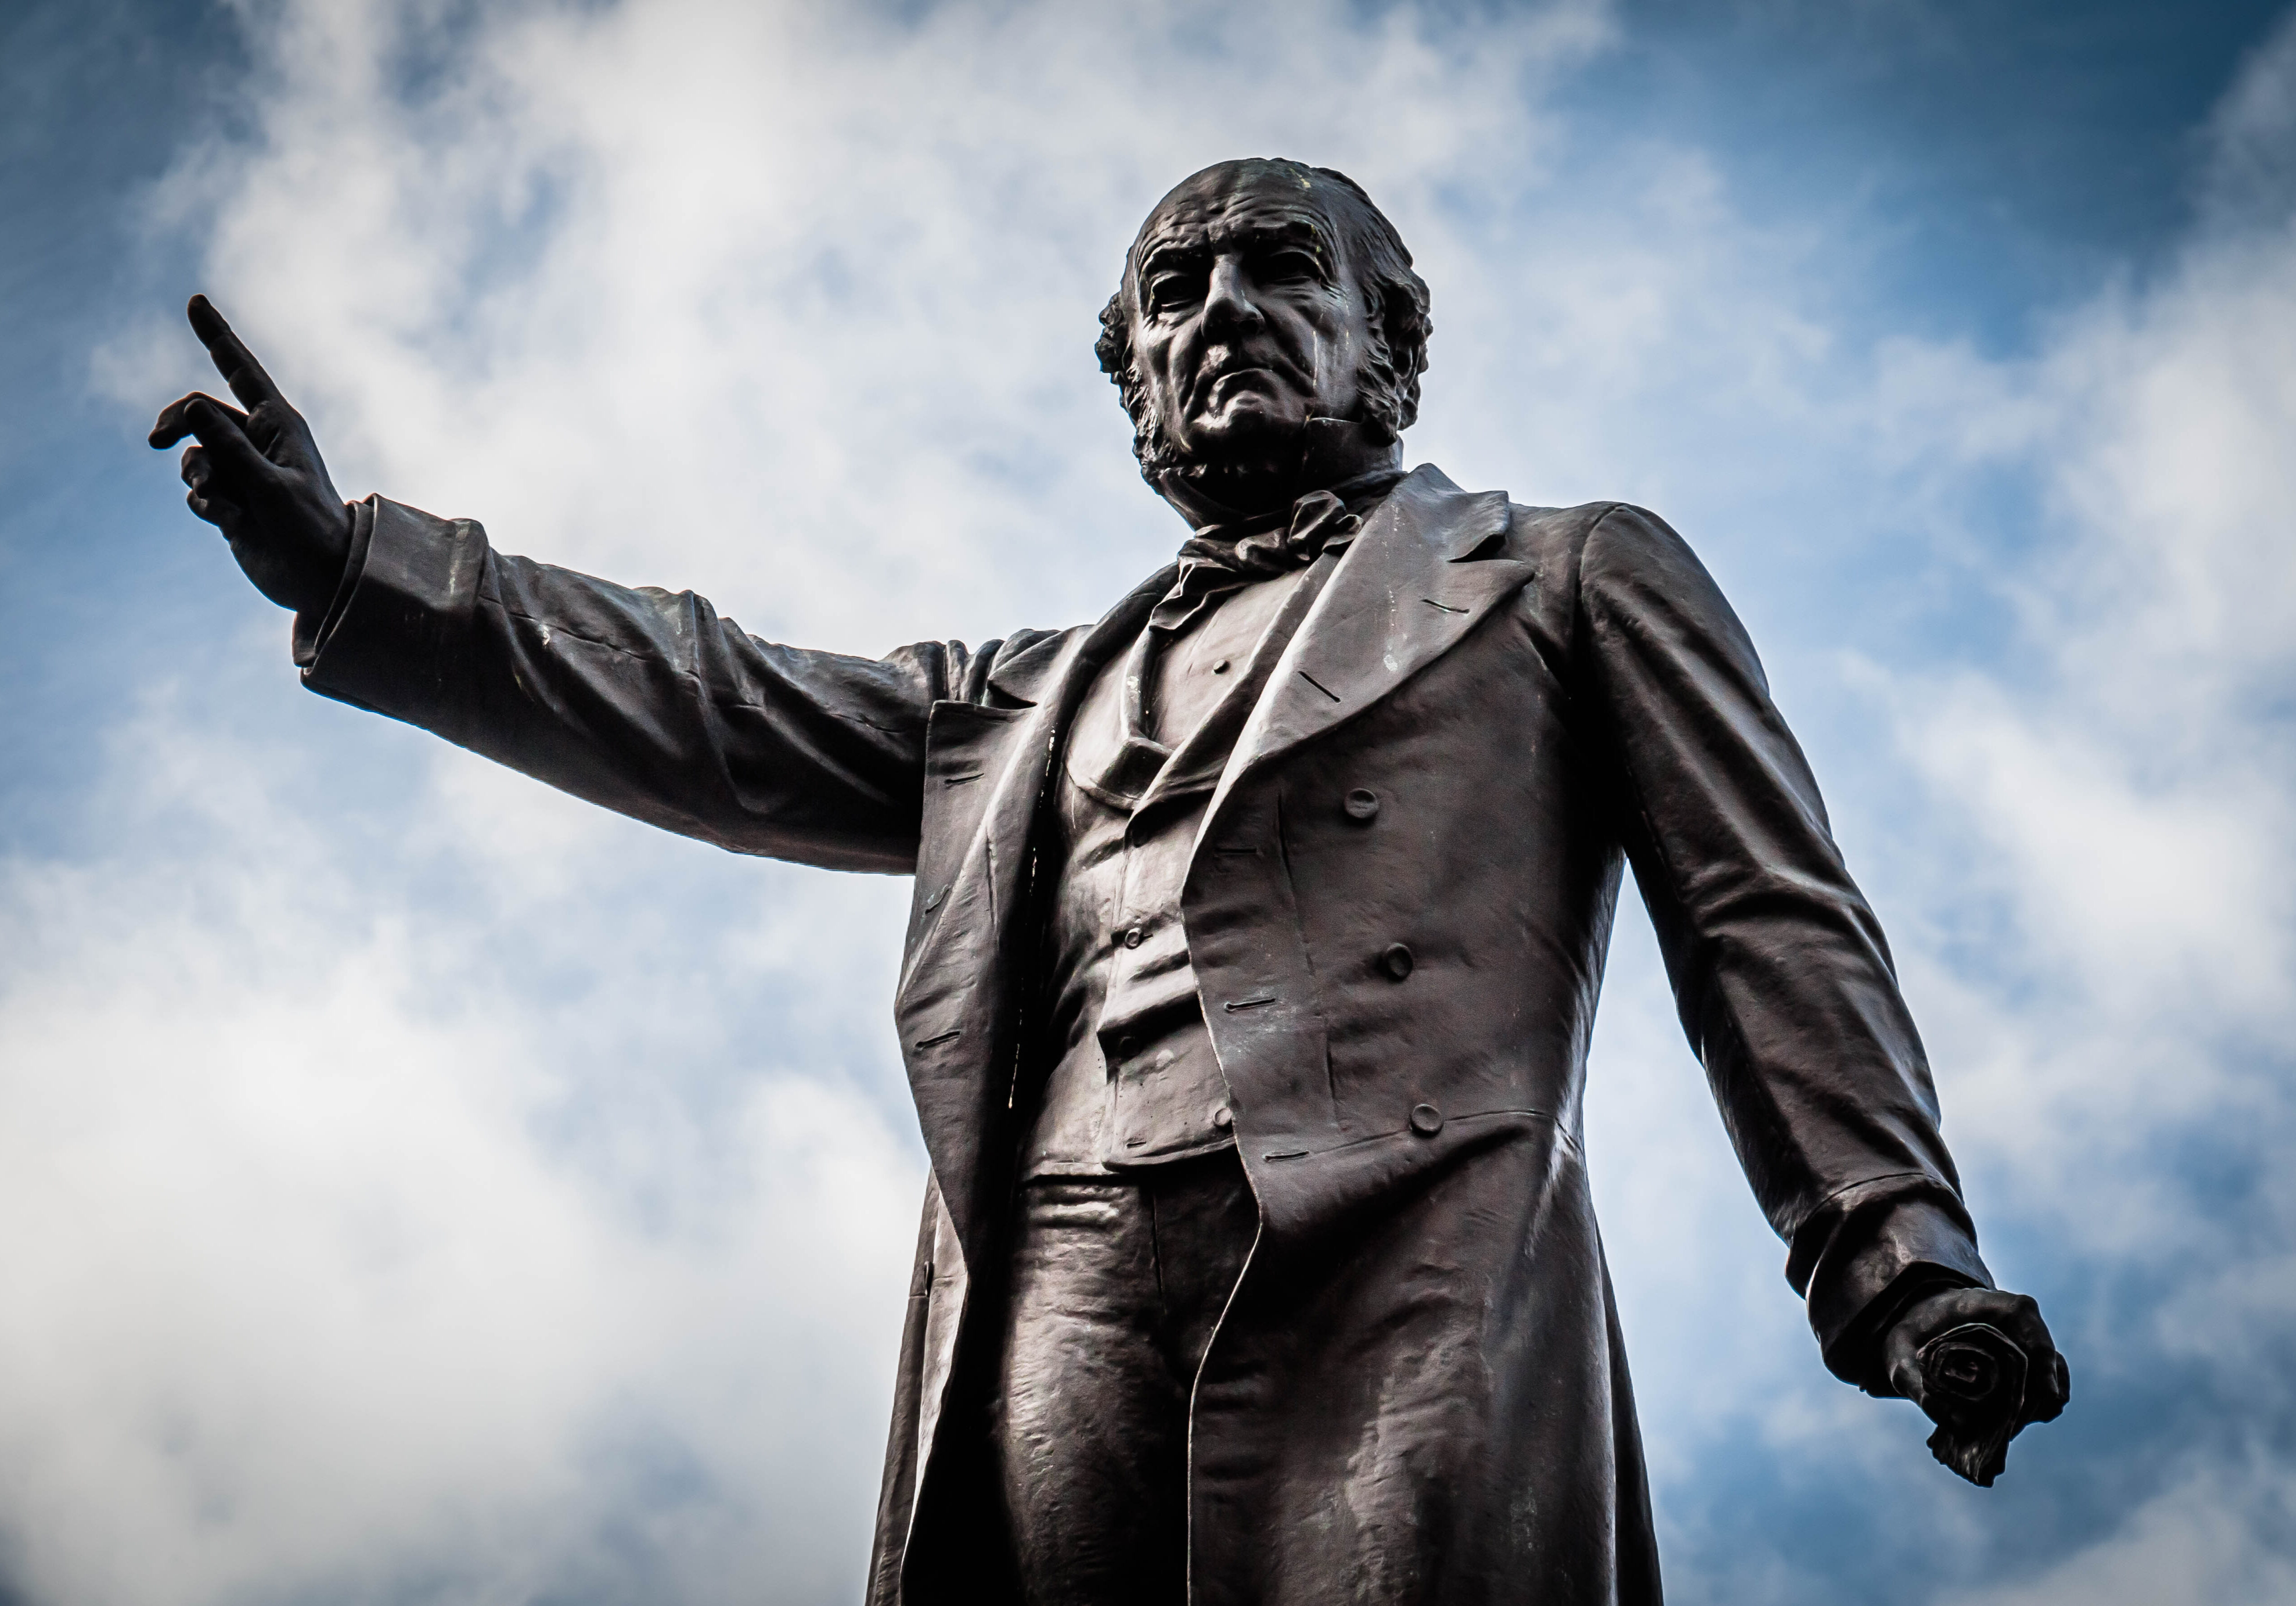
x=419 y=1187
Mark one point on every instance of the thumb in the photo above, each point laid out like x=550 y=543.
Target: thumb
x=1901 y=1363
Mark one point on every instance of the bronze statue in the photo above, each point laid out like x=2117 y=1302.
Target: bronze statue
x=1254 y=953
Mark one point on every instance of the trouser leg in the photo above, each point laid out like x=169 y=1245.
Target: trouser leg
x=1116 y=1286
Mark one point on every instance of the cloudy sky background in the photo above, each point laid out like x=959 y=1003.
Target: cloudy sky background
x=416 y=1187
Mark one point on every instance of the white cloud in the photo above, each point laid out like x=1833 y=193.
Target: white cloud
x=2193 y=1542
x=766 y=299
x=2113 y=794
x=300 y=1302
x=2129 y=794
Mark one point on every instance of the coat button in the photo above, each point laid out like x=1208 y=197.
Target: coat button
x=1134 y=936
x=1125 y=1047
x=1362 y=806
x=1396 y=961
x=1426 y=1120
x=1223 y=1117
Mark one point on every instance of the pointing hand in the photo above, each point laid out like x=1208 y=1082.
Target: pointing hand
x=258 y=476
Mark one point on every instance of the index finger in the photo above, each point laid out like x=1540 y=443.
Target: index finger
x=232 y=358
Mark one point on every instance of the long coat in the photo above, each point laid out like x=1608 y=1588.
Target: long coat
x=1417 y=1393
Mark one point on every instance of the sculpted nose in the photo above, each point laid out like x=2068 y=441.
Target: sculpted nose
x=1228 y=298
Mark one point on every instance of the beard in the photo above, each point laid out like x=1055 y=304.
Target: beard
x=1261 y=453
x=1251 y=446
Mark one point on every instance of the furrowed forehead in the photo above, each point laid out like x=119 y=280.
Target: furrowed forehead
x=1199 y=219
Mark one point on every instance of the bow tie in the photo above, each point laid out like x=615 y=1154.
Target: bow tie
x=1217 y=560
x=1275 y=542
x=1226 y=555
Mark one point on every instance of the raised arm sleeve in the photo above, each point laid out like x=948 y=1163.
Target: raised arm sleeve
x=643 y=701
x=1779 y=969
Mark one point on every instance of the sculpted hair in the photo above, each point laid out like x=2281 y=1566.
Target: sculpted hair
x=1377 y=260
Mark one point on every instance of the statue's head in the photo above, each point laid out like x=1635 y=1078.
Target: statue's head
x=1258 y=295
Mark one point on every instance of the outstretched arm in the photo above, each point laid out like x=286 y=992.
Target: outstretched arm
x=1784 y=981
x=642 y=700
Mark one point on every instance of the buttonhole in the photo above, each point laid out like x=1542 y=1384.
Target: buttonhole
x=960 y=780
x=1446 y=607
x=948 y=1037
x=1319 y=686
x=1247 y=1004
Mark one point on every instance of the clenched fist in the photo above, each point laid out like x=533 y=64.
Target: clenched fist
x=2010 y=1377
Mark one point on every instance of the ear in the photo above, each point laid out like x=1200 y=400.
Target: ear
x=1381 y=401
x=1404 y=327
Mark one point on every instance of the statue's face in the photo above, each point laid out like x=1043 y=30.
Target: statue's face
x=1246 y=318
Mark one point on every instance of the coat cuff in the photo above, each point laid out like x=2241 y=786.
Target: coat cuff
x=410 y=579
x=1870 y=1252
x=313 y=628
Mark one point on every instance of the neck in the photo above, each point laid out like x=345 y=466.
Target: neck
x=1331 y=452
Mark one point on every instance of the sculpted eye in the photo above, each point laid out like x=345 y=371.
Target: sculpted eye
x=1291 y=267
x=1179 y=287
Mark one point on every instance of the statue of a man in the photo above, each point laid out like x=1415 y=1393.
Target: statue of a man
x=1254 y=954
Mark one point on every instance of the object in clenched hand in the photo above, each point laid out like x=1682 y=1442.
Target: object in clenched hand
x=1973 y=1383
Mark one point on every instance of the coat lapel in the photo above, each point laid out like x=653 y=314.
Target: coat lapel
x=1410 y=588
x=969 y=937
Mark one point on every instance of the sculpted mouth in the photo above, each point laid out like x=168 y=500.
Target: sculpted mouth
x=1219 y=384
x=1227 y=379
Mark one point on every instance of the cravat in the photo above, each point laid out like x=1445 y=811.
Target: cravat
x=1218 y=559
